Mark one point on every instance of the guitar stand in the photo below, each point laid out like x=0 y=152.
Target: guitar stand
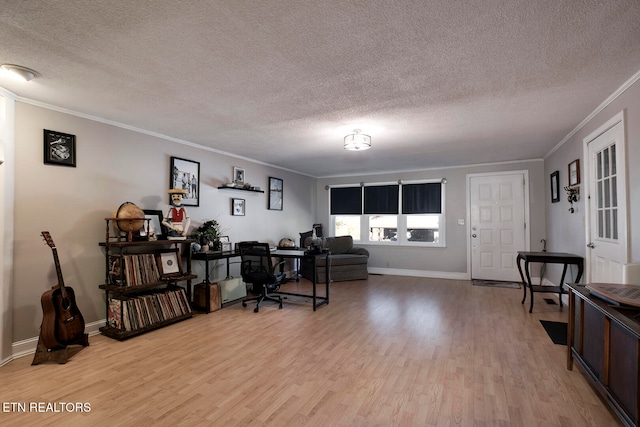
x=58 y=354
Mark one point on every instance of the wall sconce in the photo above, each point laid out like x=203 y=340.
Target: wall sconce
x=572 y=196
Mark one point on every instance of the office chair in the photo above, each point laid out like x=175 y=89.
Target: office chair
x=257 y=269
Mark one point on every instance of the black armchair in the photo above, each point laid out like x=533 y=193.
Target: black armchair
x=258 y=270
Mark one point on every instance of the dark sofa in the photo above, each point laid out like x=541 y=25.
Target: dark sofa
x=347 y=262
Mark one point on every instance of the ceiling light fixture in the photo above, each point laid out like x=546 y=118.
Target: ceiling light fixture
x=23 y=73
x=357 y=141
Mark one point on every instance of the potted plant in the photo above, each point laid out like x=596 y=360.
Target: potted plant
x=208 y=234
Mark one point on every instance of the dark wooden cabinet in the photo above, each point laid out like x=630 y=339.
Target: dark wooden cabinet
x=605 y=341
x=142 y=291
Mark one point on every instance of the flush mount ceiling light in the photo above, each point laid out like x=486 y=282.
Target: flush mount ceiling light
x=357 y=141
x=19 y=71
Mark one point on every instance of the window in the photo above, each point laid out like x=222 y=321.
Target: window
x=346 y=208
x=396 y=214
x=347 y=225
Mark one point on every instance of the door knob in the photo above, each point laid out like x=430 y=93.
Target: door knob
x=591 y=245
x=474 y=235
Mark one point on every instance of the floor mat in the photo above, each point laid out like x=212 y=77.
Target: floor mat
x=496 y=283
x=557 y=331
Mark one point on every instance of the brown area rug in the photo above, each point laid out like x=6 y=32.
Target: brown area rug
x=496 y=283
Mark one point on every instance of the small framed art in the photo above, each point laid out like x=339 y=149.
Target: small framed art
x=156 y=229
x=275 y=194
x=237 y=207
x=169 y=264
x=185 y=174
x=555 y=187
x=238 y=176
x=59 y=148
x=574 y=172
x=225 y=243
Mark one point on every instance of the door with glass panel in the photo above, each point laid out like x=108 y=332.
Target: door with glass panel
x=607 y=226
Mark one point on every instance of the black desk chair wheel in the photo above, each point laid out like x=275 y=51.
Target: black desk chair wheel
x=258 y=269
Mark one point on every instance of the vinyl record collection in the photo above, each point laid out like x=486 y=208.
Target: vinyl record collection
x=131 y=313
x=138 y=269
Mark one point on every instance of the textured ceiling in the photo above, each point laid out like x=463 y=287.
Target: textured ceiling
x=435 y=83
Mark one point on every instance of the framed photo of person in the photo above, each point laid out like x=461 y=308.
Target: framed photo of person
x=275 y=194
x=59 y=148
x=185 y=174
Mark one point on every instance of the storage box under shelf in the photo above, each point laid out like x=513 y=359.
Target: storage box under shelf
x=206 y=297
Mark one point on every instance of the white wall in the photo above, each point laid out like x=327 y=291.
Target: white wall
x=7 y=112
x=115 y=165
x=566 y=231
x=450 y=261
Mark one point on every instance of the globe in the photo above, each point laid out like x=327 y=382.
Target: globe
x=125 y=211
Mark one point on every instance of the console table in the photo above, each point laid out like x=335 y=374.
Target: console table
x=605 y=341
x=213 y=256
x=548 y=258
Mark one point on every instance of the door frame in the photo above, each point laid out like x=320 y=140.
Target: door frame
x=527 y=222
x=622 y=185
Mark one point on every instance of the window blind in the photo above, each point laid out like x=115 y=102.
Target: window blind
x=381 y=199
x=346 y=201
x=424 y=198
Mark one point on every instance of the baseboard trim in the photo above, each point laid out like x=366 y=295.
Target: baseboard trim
x=28 y=346
x=419 y=273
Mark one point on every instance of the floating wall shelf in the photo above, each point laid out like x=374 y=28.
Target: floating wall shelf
x=240 y=189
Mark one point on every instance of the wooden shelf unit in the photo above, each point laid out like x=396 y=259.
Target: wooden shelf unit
x=147 y=305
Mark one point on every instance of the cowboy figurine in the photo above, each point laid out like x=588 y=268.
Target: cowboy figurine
x=177 y=220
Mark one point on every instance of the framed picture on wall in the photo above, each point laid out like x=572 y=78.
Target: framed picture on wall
x=238 y=176
x=237 y=207
x=574 y=172
x=185 y=174
x=59 y=148
x=275 y=194
x=555 y=187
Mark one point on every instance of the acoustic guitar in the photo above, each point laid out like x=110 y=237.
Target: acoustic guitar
x=62 y=322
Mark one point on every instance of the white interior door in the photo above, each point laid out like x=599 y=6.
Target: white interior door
x=497 y=225
x=607 y=251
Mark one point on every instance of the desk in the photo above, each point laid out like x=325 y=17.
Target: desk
x=317 y=301
x=548 y=258
x=213 y=256
x=280 y=253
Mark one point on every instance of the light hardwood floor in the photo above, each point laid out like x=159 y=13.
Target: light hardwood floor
x=388 y=351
